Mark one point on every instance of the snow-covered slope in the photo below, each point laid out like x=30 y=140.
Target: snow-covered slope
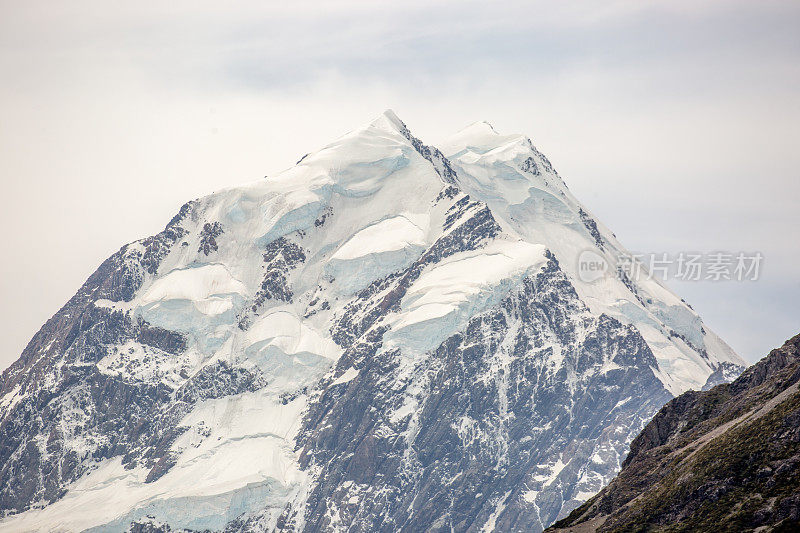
x=529 y=198
x=383 y=337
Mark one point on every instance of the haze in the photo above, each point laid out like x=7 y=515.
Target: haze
x=675 y=123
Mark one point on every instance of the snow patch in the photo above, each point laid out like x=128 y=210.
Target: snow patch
x=288 y=349
x=195 y=284
x=349 y=375
x=378 y=250
x=448 y=293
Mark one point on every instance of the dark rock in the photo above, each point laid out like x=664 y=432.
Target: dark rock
x=208 y=237
x=720 y=460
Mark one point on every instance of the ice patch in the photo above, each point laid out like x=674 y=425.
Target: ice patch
x=288 y=349
x=292 y=220
x=363 y=178
x=378 y=250
x=459 y=287
x=195 y=300
x=283 y=329
x=195 y=284
x=388 y=235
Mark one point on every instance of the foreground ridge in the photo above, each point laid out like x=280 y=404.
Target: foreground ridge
x=386 y=336
x=722 y=460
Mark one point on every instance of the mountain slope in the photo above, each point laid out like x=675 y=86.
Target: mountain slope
x=722 y=460
x=348 y=345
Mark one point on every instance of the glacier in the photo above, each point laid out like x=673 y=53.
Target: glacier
x=386 y=336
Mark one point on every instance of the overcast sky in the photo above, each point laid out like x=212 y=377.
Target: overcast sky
x=675 y=123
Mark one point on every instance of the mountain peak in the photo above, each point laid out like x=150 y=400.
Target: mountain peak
x=478 y=136
x=346 y=307
x=389 y=121
x=481 y=126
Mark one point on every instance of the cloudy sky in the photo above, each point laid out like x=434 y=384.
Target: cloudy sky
x=675 y=123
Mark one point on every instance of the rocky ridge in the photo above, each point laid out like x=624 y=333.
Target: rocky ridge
x=727 y=459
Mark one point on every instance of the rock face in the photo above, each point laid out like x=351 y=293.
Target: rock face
x=387 y=336
x=727 y=459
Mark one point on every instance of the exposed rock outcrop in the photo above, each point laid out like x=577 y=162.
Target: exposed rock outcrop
x=727 y=459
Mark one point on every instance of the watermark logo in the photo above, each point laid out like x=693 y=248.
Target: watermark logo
x=591 y=266
x=681 y=266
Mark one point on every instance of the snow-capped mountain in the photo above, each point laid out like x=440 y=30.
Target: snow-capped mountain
x=383 y=337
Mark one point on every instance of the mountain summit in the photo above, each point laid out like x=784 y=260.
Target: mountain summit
x=386 y=336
